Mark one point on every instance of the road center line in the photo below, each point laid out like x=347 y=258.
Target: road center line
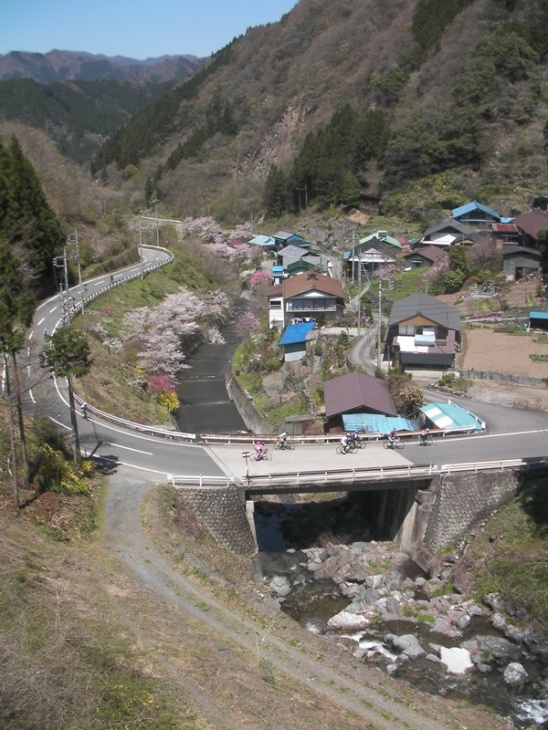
x=128 y=448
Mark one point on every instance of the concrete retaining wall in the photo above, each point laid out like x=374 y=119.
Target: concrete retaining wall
x=253 y=420
x=222 y=512
x=503 y=378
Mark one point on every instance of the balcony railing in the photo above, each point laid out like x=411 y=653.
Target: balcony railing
x=311 y=307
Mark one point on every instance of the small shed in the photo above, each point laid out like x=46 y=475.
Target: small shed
x=519 y=262
x=451 y=418
x=294 y=339
x=356 y=393
x=538 y=320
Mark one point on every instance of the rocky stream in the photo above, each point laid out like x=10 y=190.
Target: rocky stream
x=367 y=596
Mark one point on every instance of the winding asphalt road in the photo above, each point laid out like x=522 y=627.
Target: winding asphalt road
x=510 y=434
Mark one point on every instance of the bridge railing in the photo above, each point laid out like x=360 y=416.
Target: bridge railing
x=502 y=465
x=371 y=473
x=375 y=473
x=200 y=480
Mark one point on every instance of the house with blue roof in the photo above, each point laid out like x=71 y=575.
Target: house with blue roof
x=295 y=338
x=265 y=242
x=476 y=215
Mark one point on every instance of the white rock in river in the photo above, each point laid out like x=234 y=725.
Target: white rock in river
x=456 y=660
x=345 y=621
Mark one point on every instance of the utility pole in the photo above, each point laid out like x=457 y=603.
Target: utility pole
x=74 y=240
x=359 y=295
x=379 y=326
x=156 y=201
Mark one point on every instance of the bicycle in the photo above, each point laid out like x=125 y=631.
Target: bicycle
x=346 y=449
x=263 y=455
x=395 y=444
x=426 y=440
x=285 y=445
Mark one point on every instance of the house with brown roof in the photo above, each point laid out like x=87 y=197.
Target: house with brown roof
x=425 y=256
x=355 y=393
x=306 y=297
x=530 y=224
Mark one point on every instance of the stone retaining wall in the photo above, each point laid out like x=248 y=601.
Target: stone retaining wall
x=222 y=511
x=462 y=500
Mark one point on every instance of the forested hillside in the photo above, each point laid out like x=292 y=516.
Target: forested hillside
x=78 y=115
x=423 y=102
x=29 y=229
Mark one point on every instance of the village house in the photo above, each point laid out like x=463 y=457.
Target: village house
x=424 y=333
x=309 y=296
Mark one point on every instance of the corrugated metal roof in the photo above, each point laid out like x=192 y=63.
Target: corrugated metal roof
x=504 y=228
x=538 y=315
x=375 y=423
x=357 y=391
x=474 y=205
x=295 y=333
x=452 y=417
x=263 y=241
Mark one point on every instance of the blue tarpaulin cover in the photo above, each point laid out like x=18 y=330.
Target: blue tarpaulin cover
x=376 y=423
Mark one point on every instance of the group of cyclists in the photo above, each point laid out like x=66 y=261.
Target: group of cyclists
x=349 y=442
x=261 y=451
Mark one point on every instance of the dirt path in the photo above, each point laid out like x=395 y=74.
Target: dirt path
x=240 y=667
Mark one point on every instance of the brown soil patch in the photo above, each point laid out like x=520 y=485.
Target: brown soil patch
x=490 y=351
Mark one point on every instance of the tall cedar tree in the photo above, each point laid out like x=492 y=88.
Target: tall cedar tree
x=26 y=219
x=16 y=309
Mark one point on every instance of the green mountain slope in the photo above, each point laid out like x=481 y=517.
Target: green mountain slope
x=457 y=85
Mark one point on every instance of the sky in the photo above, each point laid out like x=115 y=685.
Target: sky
x=133 y=28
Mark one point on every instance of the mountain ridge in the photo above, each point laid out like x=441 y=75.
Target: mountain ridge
x=61 y=65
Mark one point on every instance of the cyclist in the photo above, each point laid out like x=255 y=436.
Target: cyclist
x=344 y=443
x=259 y=450
x=425 y=435
x=353 y=437
x=84 y=410
x=393 y=437
x=282 y=438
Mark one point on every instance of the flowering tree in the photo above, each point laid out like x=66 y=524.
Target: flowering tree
x=163 y=389
x=259 y=278
x=180 y=318
x=211 y=233
x=246 y=324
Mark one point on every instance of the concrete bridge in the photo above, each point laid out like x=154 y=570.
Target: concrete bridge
x=421 y=508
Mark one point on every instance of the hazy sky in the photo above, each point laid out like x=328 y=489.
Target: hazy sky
x=134 y=28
